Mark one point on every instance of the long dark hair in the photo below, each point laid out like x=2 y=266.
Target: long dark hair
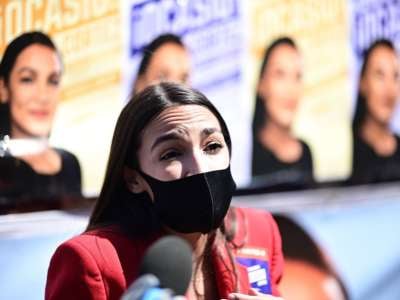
x=116 y=205
x=361 y=107
x=13 y=50
x=150 y=49
x=260 y=114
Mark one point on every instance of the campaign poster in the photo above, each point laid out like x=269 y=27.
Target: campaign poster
x=321 y=32
x=371 y=20
x=88 y=35
x=213 y=31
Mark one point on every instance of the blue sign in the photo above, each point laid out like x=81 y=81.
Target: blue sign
x=372 y=20
x=258 y=270
x=153 y=17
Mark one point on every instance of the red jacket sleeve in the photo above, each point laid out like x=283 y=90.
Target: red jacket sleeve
x=74 y=274
x=277 y=260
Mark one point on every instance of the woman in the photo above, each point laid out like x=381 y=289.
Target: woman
x=376 y=149
x=30 y=75
x=169 y=173
x=164 y=59
x=279 y=158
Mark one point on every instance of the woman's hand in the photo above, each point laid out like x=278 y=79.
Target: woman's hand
x=253 y=295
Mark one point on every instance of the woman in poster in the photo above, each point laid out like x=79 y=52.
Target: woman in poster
x=279 y=158
x=376 y=149
x=30 y=75
x=164 y=59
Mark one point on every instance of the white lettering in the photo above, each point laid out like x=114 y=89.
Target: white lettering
x=100 y=7
x=71 y=13
x=13 y=21
x=53 y=16
x=30 y=9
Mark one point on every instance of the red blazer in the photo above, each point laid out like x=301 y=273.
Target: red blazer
x=102 y=263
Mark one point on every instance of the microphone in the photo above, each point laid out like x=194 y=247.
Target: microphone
x=166 y=270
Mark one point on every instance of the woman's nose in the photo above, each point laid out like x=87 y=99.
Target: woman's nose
x=195 y=164
x=42 y=93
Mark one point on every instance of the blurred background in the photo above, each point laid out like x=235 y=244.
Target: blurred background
x=354 y=227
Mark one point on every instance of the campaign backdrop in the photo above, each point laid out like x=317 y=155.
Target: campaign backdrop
x=101 y=43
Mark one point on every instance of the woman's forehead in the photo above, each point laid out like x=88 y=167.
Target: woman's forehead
x=38 y=57
x=382 y=55
x=283 y=51
x=191 y=117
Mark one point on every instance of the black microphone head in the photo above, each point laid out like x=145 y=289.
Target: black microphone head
x=170 y=260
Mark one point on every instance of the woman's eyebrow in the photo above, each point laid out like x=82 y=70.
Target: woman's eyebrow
x=208 y=131
x=25 y=69
x=174 y=135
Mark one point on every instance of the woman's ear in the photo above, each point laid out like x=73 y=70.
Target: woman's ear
x=134 y=181
x=3 y=91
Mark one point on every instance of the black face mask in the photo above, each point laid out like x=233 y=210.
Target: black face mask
x=196 y=203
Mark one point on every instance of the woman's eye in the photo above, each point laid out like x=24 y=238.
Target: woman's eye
x=26 y=80
x=213 y=148
x=379 y=74
x=54 y=81
x=170 y=155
